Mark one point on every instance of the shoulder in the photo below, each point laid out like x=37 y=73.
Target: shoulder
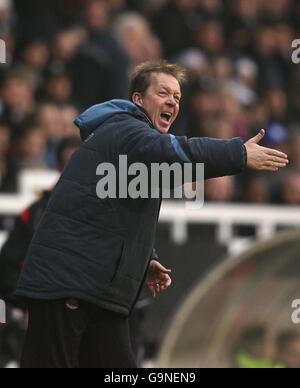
x=128 y=123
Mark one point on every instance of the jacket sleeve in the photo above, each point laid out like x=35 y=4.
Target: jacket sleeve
x=146 y=145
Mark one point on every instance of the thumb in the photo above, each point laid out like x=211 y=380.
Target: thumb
x=161 y=268
x=258 y=138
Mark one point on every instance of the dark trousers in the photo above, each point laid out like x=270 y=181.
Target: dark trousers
x=75 y=334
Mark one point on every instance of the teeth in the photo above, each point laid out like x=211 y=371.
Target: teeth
x=167 y=115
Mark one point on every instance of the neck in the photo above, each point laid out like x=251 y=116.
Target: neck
x=145 y=114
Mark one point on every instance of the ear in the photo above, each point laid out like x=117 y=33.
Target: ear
x=137 y=99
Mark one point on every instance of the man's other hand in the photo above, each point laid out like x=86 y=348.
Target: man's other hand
x=264 y=159
x=158 y=278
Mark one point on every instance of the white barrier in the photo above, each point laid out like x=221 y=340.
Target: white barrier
x=265 y=219
x=36 y=181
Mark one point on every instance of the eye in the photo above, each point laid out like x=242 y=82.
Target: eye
x=163 y=94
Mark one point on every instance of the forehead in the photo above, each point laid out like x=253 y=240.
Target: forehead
x=166 y=81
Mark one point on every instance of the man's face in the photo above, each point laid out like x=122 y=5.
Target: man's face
x=161 y=101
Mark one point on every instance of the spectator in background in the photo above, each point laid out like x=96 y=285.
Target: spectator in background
x=209 y=37
x=210 y=8
x=255 y=190
x=34 y=58
x=294 y=148
x=204 y=107
x=241 y=21
x=35 y=18
x=89 y=68
x=14 y=251
x=18 y=102
x=276 y=99
x=32 y=149
x=68 y=113
x=195 y=62
x=233 y=111
x=8 y=168
x=96 y=19
x=6 y=15
x=57 y=122
x=58 y=88
x=290 y=188
x=59 y=80
x=12 y=258
x=288 y=349
x=48 y=118
x=271 y=75
x=259 y=115
x=176 y=34
x=222 y=71
x=251 y=350
x=136 y=37
x=220 y=190
x=277 y=11
x=243 y=87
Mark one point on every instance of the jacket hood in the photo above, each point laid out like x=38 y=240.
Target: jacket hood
x=91 y=119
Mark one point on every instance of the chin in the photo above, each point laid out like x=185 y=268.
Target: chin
x=163 y=130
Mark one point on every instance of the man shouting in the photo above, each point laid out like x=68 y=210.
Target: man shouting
x=90 y=257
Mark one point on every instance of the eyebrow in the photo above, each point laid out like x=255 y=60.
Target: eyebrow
x=170 y=91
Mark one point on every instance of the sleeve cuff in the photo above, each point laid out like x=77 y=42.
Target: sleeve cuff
x=245 y=157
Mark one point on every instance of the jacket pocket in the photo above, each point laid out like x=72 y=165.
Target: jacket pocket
x=133 y=262
x=118 y=263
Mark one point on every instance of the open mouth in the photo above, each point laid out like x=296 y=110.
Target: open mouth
x=166 y=117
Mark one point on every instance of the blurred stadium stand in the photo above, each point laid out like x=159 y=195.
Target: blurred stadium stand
x=236 y=316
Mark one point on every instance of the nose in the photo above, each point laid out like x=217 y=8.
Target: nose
x=171 y=101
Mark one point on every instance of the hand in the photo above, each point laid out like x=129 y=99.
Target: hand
x=264 y=159
x=158 y=278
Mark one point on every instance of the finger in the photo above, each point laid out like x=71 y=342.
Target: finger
x=276 y=159
x=271 y=169
x=161 y=268
x=258 y=138
x=276 y=164
x=163 y=276
x=276 y=153
x=167 y=282
x=152 y=291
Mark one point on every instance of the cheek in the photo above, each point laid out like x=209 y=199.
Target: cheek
x=153 y=107
x=176 y=113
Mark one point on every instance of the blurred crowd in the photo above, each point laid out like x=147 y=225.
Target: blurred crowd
x=65 y=55
x=259 y=348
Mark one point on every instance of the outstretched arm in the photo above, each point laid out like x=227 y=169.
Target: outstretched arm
x=221 y=157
